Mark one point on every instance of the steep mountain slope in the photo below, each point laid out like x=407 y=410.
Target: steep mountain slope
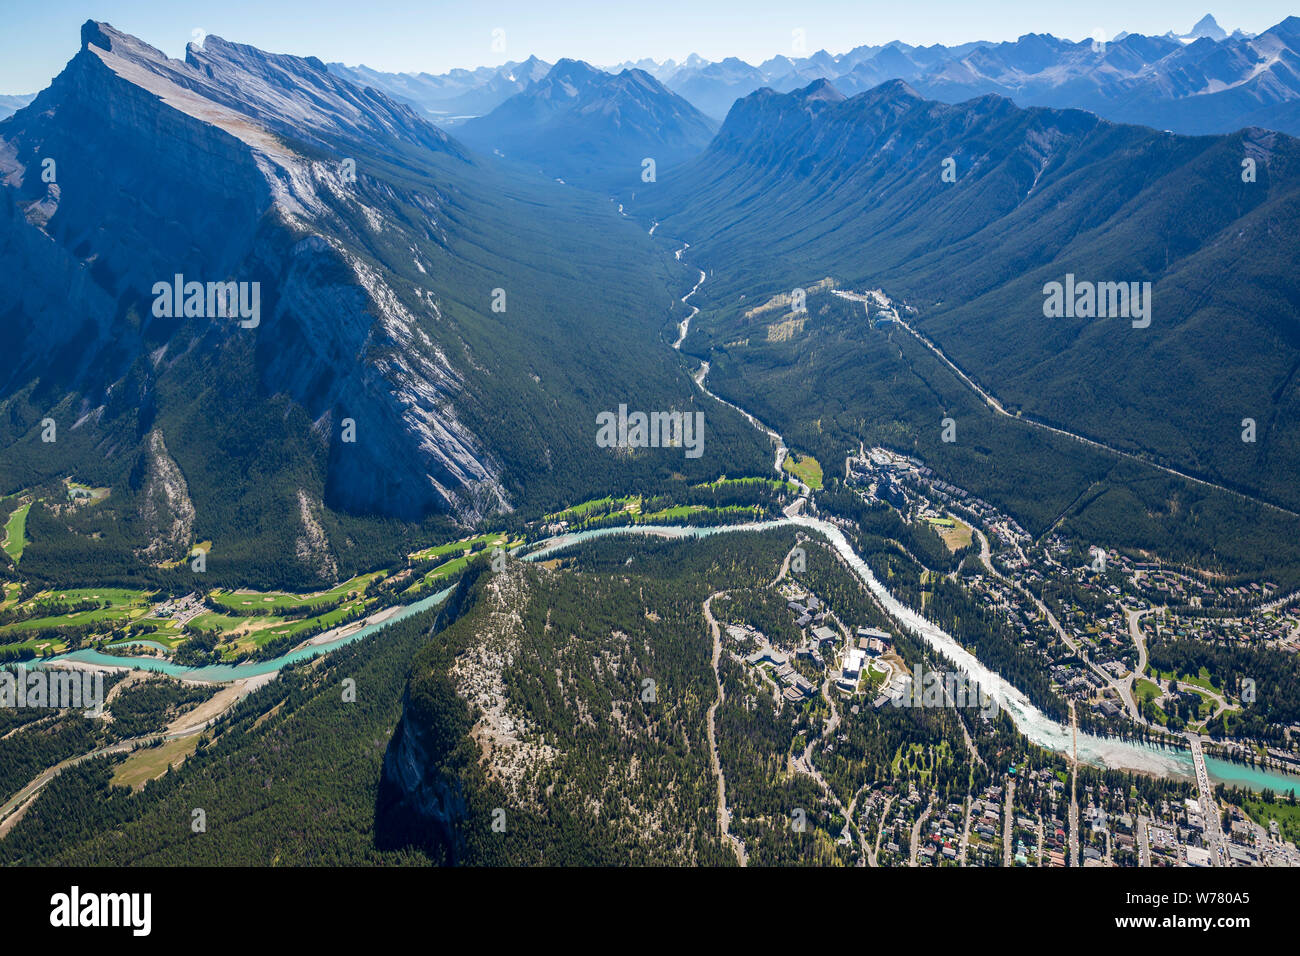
x=801 y=186
x=529 y=705
x=374 y=381
x=593 y=128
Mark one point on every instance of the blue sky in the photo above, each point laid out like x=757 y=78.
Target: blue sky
x=40 y=36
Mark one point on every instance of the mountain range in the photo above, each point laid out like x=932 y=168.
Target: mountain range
x=1203 y=81
x=454 y=95
x=381 y=395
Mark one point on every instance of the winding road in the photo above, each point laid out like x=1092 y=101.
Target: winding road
x=724 y=814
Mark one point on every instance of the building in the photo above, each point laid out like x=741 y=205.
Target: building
x=1198 y=856
x=823 y=634
x=769 y=655
x=873 y=646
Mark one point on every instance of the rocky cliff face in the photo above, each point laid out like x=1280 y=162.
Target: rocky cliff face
x=165 y=504
x=133 y=168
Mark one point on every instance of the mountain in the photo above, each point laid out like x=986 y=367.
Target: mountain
x=370 y=391
x=562 y=730
x=713 y=87
x=1202 y=86
x=1203 y=81
x=452 y=96
x=593 y=128
x=806 y=185
x=1207 y=26
x=11 y=104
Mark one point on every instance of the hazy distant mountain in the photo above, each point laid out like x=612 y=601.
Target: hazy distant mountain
x=450 y=96
x=1204 y=86
x=713 y=87
x=11 y=104
x=1202 y=81
x=1207 y=26
x=590 y=127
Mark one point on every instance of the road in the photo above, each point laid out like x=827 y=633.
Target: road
x=997 y=407
x=880 y=829
x=916 y=834
x=1007 y=812
x=1144 y=841
x=868 y=858
x=1209 y=808
x=1074 y=788
x=724 y=814
x=803 y=763
x=1125 y=685
x=965 y=833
